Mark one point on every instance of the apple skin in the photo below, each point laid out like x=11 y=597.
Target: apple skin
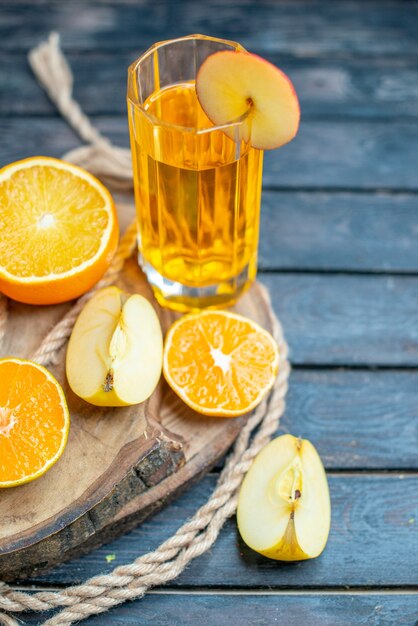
x=115 y=352
x=287 y=488
x=288 y=548
x=233 y=86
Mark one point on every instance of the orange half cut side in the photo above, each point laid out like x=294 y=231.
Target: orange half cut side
x=59 y=230
x=220 y=363
x=34 y=421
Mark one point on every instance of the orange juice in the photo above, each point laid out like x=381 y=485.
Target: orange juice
x=197 y=193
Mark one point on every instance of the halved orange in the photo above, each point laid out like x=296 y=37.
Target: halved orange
x=59 y=230
x=220 y=363
x=34 y=421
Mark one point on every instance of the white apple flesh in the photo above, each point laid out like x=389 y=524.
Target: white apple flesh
x=230 y=85
x=284 y=509
x=115 y=352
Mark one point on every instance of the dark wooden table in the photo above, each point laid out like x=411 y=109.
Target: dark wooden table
x=339 y=252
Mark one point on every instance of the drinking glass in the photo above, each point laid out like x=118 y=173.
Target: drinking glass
x=197 y=185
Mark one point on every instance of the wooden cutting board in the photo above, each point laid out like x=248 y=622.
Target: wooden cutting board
x=120 y=464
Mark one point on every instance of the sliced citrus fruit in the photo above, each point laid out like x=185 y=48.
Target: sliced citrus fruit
x=229 y=83
x=220 y=363
x=59 y=230
x=34 y=421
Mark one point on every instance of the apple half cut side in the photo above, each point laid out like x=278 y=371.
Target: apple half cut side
x=230 y=83
x=115 y=352
x=284 y=509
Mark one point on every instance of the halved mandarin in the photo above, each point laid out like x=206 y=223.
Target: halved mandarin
x=220 y=363
x=34 y=421
x=231 y=83
x=59 y=230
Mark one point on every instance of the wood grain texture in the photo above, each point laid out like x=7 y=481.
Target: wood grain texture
x=374 y=609
x=338 y=231
x=323 y=231
x=111 y=455
x=358 y=419
x=349 y=87
x=354 y=66
x=371 y=155
x=303 y=28
x=119 y=464
x=347 y=320
x=373 y=542
x=343 y=320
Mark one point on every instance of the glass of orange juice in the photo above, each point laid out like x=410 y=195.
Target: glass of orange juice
x=197 y=186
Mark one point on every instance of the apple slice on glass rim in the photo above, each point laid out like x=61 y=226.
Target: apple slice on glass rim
x=230 y=83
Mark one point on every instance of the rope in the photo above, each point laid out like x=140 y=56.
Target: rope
x=3 y=316
x=6 y=620
x=53 y=72
x=48 y=350
x=197 y=535
x=108 y=162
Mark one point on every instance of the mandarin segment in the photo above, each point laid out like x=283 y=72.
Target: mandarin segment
x=220 y=363
x=59 y=230
x=34 y=421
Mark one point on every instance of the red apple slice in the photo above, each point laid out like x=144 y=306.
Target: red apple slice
x=229 y=82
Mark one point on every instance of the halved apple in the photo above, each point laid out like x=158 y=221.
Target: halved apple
x=230 y=83
x=284 y=509
x=115 y=352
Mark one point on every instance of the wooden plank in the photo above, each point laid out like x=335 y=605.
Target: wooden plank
x=352 y=87
x=343 y=436
x=348 y=320
x=338 y=231
x=342 y=410
x=344 y=320
x=303 y=28
x=376 y=609
x=370 y=154
x=373 y=542
x=351 y=320
x=139 y=458
x=358 y=419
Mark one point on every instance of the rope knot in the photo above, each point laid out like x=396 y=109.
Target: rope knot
x=198 y=534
